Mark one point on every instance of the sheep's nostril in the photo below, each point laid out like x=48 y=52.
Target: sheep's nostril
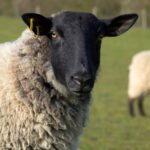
x=80 y=84
x=77 y=80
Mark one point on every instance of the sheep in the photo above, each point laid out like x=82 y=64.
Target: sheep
x=46 y=78
x=139 y=84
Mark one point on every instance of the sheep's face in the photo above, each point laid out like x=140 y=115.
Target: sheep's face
x=75 y=40
x=75 y=55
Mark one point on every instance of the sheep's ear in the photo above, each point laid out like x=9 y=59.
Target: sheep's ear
x=119 y=25
x=39 y=24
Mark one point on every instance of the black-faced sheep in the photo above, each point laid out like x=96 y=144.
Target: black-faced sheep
x=139 y=84
x=46 y=80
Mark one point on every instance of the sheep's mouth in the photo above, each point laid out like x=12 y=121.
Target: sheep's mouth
x=81 y=93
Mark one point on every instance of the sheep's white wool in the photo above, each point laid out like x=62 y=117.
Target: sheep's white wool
x=139 y=75
x=52 y=79
x=32 y=115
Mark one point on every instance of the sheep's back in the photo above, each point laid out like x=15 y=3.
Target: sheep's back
x=139 y=74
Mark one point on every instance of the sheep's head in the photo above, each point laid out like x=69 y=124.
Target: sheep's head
x=74 y=40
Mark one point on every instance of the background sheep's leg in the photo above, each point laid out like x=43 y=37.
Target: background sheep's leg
x=131 y=106
x=140 y=106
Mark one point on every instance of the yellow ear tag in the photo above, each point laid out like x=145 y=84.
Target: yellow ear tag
x=31 y=24
x=38 y=30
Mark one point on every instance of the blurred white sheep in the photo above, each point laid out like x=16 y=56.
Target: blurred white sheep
x=139 y=81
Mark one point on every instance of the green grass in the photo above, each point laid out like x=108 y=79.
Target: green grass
x=10 y=28
x=109 y=127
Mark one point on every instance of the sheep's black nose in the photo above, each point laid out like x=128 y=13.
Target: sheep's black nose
x=80 y=85
x=81 y=81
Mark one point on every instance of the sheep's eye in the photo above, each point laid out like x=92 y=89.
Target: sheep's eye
x=55 y=35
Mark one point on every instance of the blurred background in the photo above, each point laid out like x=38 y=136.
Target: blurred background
x=103 y=8
x=109 y=126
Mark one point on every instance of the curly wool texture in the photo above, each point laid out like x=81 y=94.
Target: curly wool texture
x=34 y=114
x=139 y=75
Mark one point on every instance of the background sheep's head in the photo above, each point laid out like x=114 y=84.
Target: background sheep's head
x=74 y=40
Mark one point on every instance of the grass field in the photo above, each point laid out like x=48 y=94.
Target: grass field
x=109 y=127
